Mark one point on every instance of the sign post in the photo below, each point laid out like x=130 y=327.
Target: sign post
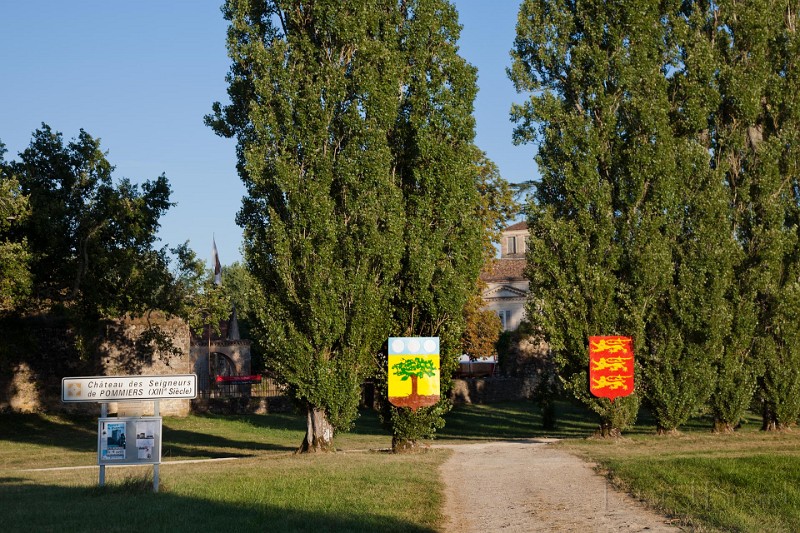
x=128 y=440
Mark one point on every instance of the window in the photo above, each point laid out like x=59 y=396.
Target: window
x=505 y=316
x=511 y=245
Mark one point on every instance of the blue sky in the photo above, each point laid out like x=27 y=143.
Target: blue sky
x=141 y=76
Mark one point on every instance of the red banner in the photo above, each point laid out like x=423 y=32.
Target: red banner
x=610 y=366
x=255 y=378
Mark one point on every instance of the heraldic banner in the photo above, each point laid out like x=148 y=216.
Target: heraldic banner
x=610 y=366
x=413 y=371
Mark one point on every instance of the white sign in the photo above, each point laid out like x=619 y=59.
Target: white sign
x=118 y=388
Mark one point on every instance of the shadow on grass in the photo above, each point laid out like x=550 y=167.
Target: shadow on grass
x=184 y=443
x=245 y=435
x=515 y=420
x=73 y=433
x=367 y=423
x=61 y=508
x=272 y=421
x=79 y=434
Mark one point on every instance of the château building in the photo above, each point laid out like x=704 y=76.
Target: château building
x=506 y=285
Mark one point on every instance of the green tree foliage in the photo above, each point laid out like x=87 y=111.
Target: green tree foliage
x=355 y=142
x=91 y=240
x=245 y=293
x=313 y=91
x=628 y=231
x=197 y=298
x=707 y=95
x=756 y=140
x=566 y=56
x=668 y=203
x=682 y=323
x=736 y=90
x=440 y=176
x=15 y=277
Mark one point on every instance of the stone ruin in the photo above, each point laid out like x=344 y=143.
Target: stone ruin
x=40 y=351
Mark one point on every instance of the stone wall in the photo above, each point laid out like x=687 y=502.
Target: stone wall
x=38 y=352
x=22 y=393
x=521 y=365
x=524 y=355
x=148 y=345
x=35 y=353
x=493 y=389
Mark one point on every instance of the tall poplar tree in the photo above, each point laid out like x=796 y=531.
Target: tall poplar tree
x=758 y=131
x=686 y=334
x=314 y=99
x=567 y=56
x=740 y=78
x=440 y=179
x=629 y=231
x=730 y=80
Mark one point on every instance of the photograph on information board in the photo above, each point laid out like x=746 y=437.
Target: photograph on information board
x=145 y=440
x=112 y=441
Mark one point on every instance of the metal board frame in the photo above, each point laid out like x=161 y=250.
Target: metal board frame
x=130 y=450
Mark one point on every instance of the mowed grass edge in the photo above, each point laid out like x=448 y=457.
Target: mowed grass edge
x=748 y=481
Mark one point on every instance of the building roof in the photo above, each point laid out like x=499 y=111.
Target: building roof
x=519 y=226
x=504 y=270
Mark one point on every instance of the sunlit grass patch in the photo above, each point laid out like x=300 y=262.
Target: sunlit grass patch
x=334 y=492
x=747 y=481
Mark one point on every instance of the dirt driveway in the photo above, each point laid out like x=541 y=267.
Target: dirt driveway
x=528 y=485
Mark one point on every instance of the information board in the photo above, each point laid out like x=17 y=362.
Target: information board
x=129 y=440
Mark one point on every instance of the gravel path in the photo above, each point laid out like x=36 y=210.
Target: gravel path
x=521 y=486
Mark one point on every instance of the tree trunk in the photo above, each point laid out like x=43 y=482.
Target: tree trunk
x=607 y=430
x=414 y=385
x=723 y=427
x=769 y=422
x=83 y=264
x=400 y=445
x=319 y=432
x=548 y=413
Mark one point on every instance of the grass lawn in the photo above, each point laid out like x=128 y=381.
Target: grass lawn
x=749 y=481
x=341 y=492
x=513 y=420
x=266 y=488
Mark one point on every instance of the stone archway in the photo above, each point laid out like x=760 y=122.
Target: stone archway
x=221 y=365
x=218 y=358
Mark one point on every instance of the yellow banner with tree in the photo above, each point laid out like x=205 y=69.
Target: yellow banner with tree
x=413 y=371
